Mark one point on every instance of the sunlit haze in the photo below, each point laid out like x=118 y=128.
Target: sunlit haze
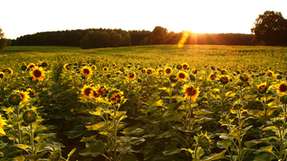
x=19 y=17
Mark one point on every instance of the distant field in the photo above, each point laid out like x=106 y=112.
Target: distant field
x=195 y=55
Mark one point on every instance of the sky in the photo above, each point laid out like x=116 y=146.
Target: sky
x=20 y=17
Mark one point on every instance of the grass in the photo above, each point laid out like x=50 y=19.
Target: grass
x=196 y=55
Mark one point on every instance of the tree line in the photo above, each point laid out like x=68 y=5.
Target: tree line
x=97 y=38
x=270 y=28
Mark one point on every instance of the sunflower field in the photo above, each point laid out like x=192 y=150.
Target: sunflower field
x=143 y=106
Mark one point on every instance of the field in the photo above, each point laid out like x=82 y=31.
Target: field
x=144 y=103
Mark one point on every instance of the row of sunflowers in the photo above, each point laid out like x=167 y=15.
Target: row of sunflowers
x=136 y=112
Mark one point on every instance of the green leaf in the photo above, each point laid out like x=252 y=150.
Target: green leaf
x=216 y=156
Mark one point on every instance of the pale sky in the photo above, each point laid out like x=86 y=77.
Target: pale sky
x=19 y=17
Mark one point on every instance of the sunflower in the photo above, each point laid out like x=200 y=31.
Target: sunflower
x=179 y=66
x=160 y=71
x=67 y=66
x=262 y=88
x=281 y=88
x=38 y=74
x=190 y=92
x=8 y=71
x=181 y=76
x=270 y=74
x=2 y=124
x=1 y=75
x=212 y=76
x=149 y=71
x=86 y=71
x=31 y=66
x=168 y=70
x=116 y=96
x=131 y=76
x=24 y=96
x=224 y=79
x=102 y=91
x=105 y=69
x=43 y=64
x=185 y=66
x=143 y=70
x=87 y=91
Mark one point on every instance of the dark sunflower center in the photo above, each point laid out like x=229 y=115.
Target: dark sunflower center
x=86 y=71
x=168 y=71
x=212 y=76
x=87 y=91
x=37 y=73
x=283 y=88
x=149 y=71
x=181 y=75
x=1 y=75
x=190 y=91
x=184 y=66
x=102 y=91
x=131 y=75
x=116 y=97
x=224 y=80
x=179 y=67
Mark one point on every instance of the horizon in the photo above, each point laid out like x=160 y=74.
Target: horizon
x=203 y=17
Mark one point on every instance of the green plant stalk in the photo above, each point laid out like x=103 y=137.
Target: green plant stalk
x=19 y=125
x=32 y=139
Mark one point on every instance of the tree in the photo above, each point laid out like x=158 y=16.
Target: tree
x=271 y=28
x=158 y=35
x=2 y=40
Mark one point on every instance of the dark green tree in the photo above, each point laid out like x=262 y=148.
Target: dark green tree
x=271 y=28
x=2 y=40
x=158 y=35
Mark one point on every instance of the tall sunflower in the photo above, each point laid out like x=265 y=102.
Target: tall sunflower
x=86 y=71
x=38 y=74
x=182 y=76
x=190 y=92
x=281 y=88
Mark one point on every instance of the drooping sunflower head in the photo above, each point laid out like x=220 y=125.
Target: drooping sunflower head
x=190 y=92
x=37 y=73
x=8 y=71
x=282 y=88
x=262 y=88
x=2 y=75
x=182 y=76
x=270 y=73
x=160 y=71
x=86 y=72
x=43 y=64
x=168 y=70
x=30 y=66
x=67 y=66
